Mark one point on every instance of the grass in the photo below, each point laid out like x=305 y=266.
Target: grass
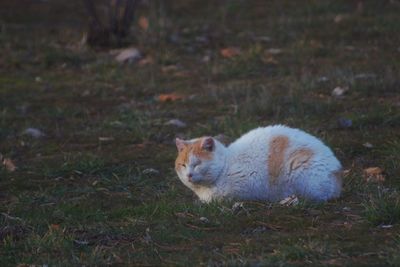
x=100 y=188
x=383 y=208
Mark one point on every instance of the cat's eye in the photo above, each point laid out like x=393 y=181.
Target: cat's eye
x=183 y=165
x=196 y=166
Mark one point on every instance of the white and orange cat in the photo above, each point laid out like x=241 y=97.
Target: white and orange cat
x=268 y=163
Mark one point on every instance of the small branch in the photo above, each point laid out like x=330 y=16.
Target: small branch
x=11 y=217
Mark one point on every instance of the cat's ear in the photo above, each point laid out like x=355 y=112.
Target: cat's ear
x=180 y=144
x=208 y=144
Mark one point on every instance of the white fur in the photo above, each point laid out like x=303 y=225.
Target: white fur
x=240 y=171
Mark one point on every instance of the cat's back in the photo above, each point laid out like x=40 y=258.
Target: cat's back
x=265 y=138
x=262 y=135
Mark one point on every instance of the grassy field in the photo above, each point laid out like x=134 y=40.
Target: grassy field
x=98 y=187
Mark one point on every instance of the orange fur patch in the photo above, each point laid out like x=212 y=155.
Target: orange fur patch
x=299 y=157
x=195 y=149
x=276 y=156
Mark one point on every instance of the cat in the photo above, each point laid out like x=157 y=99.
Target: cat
x=265 y=164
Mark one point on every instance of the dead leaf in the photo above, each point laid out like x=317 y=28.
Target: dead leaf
x=81 y=242
x=54 y=227
x=150 y=171
x=182 y=74
x=206 y=59
x=237 y=206
x=128 y=55
x=290 y=201
x=9 y=165
x=143 y=23
x=146 y=61
x=315 y=44
x=339 y=91
x=345 y=123
x=33 y=132
x=169 y=97
x=273 y=51
x=105 y=139
x=204 y=220
x=265 y=39
x=176 y=122
x=340 y=18
x=368 y=145
x=269 y=59
x=169 y=68
x=230 y=52
x=374 y=174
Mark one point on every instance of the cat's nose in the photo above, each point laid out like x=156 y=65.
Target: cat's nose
x=190 y=176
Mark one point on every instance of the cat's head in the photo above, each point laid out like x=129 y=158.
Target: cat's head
x=200 y=161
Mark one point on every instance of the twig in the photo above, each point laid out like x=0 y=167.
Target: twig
x=167 y=248
x=11 y=217
x=272 y=227
x=201 y=228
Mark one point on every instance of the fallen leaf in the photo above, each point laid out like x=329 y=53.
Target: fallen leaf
x=315 y=44
x=182 y=74
x=290 y=201
x=368 y=145
x=203 y=39
x=150 y=171
x=345 y=123
x=362 y=76
x=323 y=79
x=237 y=206
x=143 y=23
x=204 y=220
x=86 y=93
x=269 y=59
x=55 y=226
x=169 y=68
x=128 y=55
x=33 y=132
x=81 y=242
x=374 y=174
x=176 y=122
x=105 y=139
x=146 y=61
x=273 y=51
x=339 y=91
x=230 y=52
x=265 y=39
x=169 y=97
x=9 y=165
x=206 y=59
x=341 y=17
